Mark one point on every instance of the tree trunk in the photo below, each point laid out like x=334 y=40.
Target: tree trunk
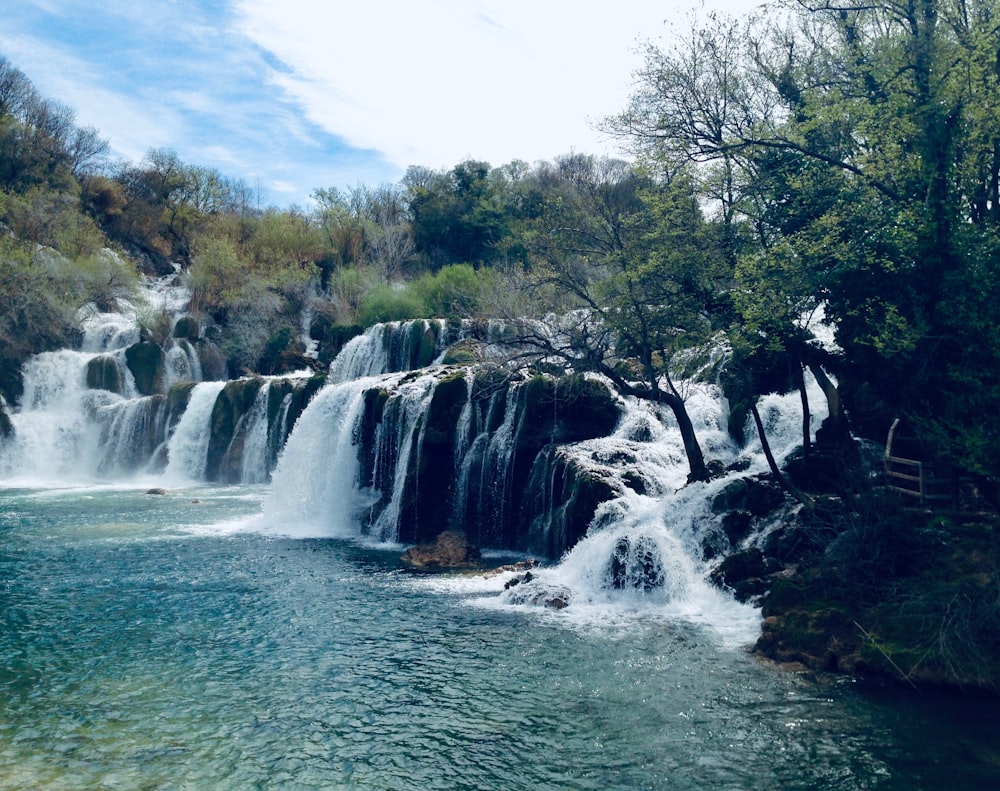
x=779 y=476
x=806 y=416
x=692 y=449
x=835 y=432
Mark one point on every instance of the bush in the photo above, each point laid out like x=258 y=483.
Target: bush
x=451 y=292
x=390 y=303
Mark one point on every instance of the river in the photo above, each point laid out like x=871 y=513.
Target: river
x=177 y=642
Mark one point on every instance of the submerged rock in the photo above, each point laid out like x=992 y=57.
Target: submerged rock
x=451 y=550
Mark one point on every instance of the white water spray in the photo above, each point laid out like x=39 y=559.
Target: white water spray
x=314 y=490
x=187 y=449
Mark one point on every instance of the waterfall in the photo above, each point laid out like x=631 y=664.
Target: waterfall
x=131 y=431
x=389 y=348
x=187 y=449
x=397 y=438
x=645 y=547
x=314 y=486
x=254 y=468
x=106 y=331
x=55 y=438
x=182 y=363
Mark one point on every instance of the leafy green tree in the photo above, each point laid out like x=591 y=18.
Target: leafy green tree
x=862 y=142
x=461 y=215
x=633 y=263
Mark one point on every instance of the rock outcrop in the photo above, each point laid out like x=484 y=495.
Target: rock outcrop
x=451 y=550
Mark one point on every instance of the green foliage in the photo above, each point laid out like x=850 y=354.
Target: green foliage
x=390 y=303
x=217 y=276
x=42 y=292
x=53 y=219
x=851 y=153
x=451 y=292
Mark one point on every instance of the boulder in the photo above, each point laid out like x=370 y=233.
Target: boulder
x=756 y=495
x=451 y=550
x=187 y=328
x=104 y=373
x=146 y=362
x=745 y=573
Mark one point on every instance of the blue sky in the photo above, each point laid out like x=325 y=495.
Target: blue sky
x=293 y=95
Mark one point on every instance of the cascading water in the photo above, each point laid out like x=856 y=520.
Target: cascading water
x=54 y=433
x=400 y=456
x=314 y=487
x=646 y=547
x=187 y=449
x=388 y=348
x=254 y=467
x=182 y=363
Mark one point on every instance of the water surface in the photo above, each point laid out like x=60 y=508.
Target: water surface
x=156 y=643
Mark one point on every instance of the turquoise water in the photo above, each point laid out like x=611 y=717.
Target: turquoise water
x=156 y=643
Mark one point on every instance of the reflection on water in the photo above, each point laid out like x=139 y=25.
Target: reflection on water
x=150 y=642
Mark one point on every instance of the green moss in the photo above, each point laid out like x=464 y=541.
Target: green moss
x=145 y=361
x=103 y=373
x=462 y=353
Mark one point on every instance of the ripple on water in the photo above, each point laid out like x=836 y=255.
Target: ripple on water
x=138 y=654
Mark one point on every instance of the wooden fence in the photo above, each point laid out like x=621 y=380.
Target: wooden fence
x=914 y=477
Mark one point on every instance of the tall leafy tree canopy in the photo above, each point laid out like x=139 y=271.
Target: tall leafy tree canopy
x=858 y=146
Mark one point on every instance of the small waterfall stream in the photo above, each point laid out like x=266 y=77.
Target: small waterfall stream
x=187 y=450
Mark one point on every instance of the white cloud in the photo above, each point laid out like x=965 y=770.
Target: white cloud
x=433 y=82
x=131 y=129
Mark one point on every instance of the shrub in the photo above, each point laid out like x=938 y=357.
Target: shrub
x=390 y=303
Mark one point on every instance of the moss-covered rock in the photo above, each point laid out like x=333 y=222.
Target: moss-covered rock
x=461 y=353
x=224 y=459
x=758 y=496
x=331 y=337
x=558 y=503
x=146 y=362
x=104 y=373
x=187 y=328
x=921 y=609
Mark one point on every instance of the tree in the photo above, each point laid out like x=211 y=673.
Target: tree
x=862 y=142
x=461 y=215
x=634 y=263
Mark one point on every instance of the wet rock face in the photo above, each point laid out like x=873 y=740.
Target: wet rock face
x=757 y=496
x=6 y=427
x=483 y=456
x=187 y=328
x=103 y=373
x=451 y=550
x=636 y=565
x=225 y=448
x=146 y=362
x=745 y=574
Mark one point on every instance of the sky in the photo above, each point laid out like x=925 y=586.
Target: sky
x=295 y=95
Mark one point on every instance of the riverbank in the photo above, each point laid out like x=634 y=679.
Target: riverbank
x=885 y=590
